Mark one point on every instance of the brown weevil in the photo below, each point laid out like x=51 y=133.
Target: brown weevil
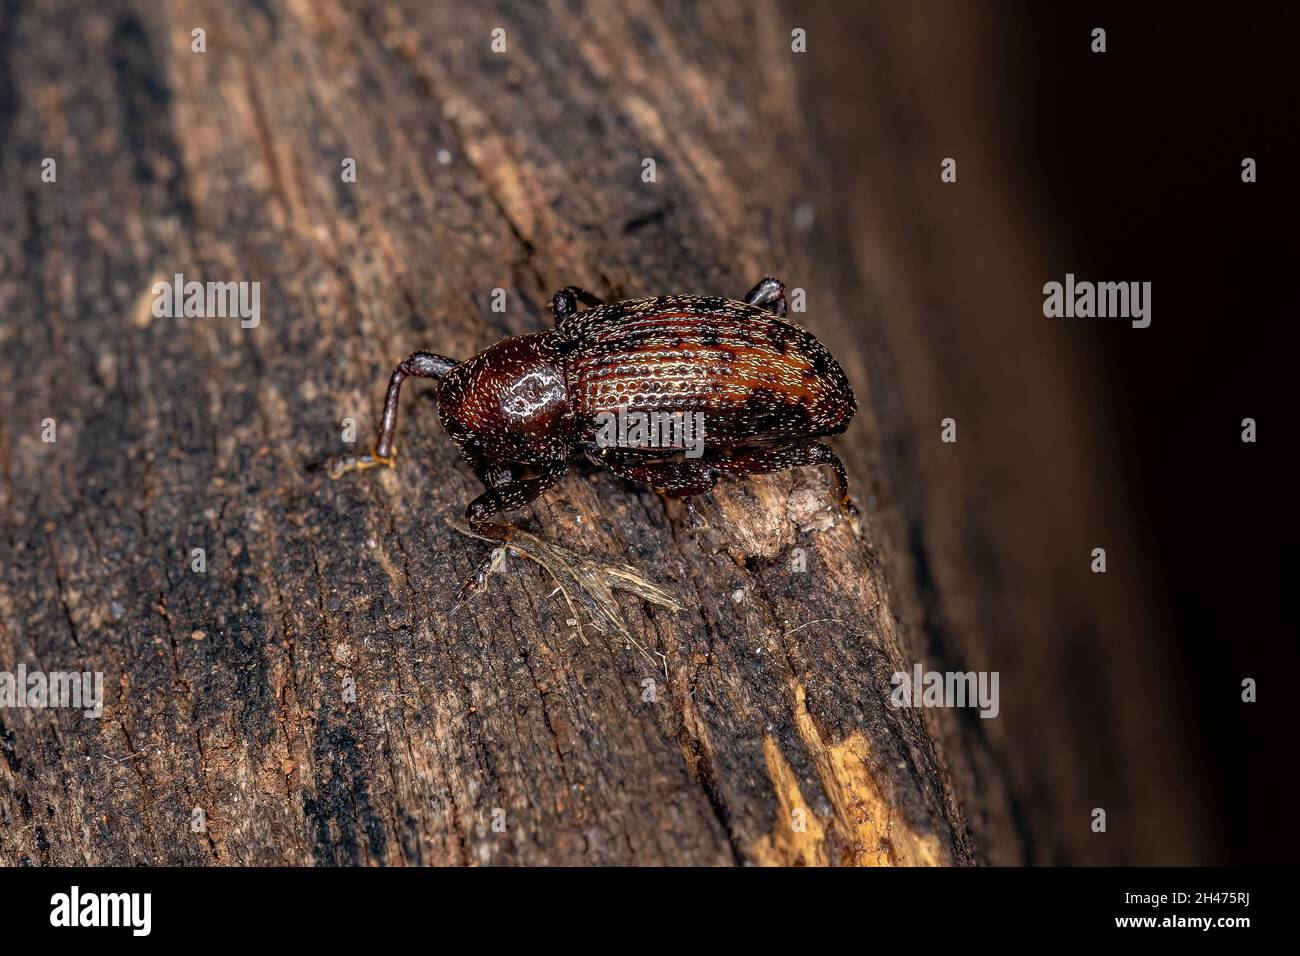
x=522 y=408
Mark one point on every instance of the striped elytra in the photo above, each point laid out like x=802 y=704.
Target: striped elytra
x=758 y=390
x=756 y=377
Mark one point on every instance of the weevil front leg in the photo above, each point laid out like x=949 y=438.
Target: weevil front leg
x=418 y=365
x=506 y=492
x=585 y=584
x=770 y=291
x=493 y=474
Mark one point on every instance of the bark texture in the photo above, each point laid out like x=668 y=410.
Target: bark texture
x=309 y=692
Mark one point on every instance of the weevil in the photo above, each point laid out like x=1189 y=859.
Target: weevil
x=523 y=408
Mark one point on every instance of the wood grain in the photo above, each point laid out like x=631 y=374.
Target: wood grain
x=227 y=690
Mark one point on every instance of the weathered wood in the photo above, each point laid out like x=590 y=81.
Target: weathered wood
x=229 y=690
x=987 y=541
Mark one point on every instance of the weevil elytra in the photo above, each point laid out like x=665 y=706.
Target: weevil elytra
x=521 y=409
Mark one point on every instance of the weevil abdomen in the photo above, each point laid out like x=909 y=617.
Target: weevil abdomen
x=756 y=377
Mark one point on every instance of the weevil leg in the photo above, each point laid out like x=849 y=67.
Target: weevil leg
x=514 y=493
x=493 y=474
x=501 y=496
x=565 y=302
x=585 y=584
x=598 y=455
x=794 y=455
x=676 y=479
x=770 y=291
x=417 y=365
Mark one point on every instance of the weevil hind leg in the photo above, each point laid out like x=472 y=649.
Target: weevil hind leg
x=795 y=455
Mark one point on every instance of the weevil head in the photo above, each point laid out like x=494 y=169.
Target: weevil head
x=510 y=402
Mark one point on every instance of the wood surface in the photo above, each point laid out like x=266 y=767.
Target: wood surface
x=310 y=692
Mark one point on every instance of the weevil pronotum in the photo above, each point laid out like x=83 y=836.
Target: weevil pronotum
x=522 y=408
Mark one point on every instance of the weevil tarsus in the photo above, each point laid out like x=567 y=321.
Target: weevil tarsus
x=795 y=455
x=693 y=477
